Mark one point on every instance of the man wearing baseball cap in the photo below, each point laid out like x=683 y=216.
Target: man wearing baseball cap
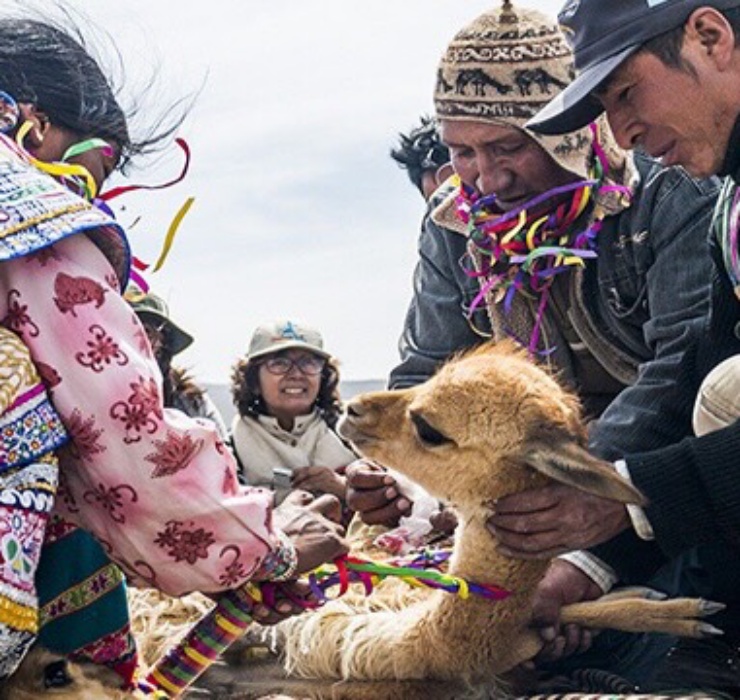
x=667 y=73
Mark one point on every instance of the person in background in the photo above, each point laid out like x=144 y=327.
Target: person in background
x=424 y=157
x=146 y=493
x=167 y=339
x=286 y=393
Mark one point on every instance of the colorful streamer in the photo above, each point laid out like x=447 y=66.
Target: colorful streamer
x=229 y=620
x=523 y=250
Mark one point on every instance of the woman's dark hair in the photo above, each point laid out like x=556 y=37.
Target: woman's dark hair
x=53 y=68
x=245 y=389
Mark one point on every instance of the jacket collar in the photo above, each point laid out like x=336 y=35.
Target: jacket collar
x=731 y=165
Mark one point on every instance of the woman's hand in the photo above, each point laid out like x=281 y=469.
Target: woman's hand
x=316 y=537
x=319 y=480
x=291 y=598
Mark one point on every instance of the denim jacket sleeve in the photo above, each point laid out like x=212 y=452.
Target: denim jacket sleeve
x=672 y=306
x=435 y=325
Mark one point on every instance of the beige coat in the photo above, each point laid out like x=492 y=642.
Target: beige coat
x=269 y=454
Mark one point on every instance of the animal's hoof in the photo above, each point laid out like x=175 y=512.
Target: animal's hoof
x=709 y=607
x=706 y=630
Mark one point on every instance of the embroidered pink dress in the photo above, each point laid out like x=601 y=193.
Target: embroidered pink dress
x=156 y=488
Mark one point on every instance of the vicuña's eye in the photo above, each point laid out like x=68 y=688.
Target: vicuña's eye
x=427 y=434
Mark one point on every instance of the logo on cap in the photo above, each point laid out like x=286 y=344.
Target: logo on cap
x=290 y=333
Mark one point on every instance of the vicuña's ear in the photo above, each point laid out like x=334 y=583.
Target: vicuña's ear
x=567 y=462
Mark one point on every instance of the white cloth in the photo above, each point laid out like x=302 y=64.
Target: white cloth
x=718 y=402
x=269 y=454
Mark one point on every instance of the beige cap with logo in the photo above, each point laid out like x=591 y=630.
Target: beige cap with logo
x=284 y=335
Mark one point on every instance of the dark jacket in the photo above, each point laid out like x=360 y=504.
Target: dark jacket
x=693 y=486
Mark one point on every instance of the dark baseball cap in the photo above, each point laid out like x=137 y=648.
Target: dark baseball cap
x=603 y=34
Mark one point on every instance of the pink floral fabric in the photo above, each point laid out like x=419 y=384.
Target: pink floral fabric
x=156 y=488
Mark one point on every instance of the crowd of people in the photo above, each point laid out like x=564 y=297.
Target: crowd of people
x=576 y=202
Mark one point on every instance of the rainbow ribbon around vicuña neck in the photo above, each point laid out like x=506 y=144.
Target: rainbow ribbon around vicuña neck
x=228 y=621
x=523 y=250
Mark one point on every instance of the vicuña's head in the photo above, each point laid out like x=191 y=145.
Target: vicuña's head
x=488 y=423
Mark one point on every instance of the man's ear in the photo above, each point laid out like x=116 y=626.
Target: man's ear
x=715 y=34
x=40 y=124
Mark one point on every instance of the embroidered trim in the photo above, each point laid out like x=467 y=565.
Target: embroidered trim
x=17 y=616
x=29 y=429
x=83 y=594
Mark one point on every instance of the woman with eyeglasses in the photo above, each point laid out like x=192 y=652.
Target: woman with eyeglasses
x=285 y=391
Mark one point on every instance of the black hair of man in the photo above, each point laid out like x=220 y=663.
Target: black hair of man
x=420 y=151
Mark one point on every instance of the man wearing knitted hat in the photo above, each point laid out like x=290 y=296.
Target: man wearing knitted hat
x=588 y=257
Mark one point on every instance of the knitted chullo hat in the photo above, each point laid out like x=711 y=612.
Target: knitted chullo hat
x=503 y=68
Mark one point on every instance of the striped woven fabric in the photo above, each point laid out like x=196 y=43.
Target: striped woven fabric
x=591 y=696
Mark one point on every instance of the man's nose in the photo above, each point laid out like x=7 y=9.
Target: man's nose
x=495 y=177
x=626 y=129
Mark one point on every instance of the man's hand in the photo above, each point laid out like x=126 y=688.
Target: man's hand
x=316 y=537
x=373 y=493
x=541 y=523
x=563 y=584
x=319 y=480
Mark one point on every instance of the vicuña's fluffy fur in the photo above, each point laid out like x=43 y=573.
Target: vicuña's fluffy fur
x=488 y=424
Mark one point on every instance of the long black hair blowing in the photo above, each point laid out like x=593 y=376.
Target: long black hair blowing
x=53 y=67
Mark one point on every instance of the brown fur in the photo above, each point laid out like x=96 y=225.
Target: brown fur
x=498 y=414
x=89 y=682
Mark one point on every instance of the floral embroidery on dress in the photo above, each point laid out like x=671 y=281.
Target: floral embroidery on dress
x=84 y=436
x=185 y=545
x=112 y=499
x=117 y=650
x=235 y=570
x=173 y=454
x=76 y=291
x=17 y=318
x=103 y=351
x=136 y=413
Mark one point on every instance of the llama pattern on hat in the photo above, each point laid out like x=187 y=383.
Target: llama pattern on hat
x=503 y=66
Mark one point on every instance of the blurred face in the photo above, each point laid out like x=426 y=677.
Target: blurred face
x=290 y=383
x=681 y=115
x=501 y=160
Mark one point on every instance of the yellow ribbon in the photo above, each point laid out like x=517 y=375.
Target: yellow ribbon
x=171 y=231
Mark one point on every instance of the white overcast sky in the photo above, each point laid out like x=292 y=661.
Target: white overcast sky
x=299 y=209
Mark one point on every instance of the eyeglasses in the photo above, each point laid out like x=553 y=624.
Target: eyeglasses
x=308 y=364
